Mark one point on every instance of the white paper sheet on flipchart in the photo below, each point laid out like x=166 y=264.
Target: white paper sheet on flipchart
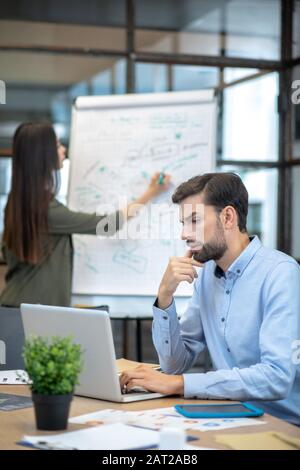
x=157 y=418
x=115 y=436
x=113 y=154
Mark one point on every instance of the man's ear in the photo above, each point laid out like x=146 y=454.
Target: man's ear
x=229 y=217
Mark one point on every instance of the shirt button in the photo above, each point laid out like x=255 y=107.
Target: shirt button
x=228 y=349
x=238 y=271
x=228 y=292
x=223 y=319
x=165 y=318
x=167 y=342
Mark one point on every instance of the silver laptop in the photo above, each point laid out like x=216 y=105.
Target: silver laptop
x=92 y=330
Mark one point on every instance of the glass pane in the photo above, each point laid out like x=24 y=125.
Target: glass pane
x=102 y=83
x=191 y=77
x=253 y=28
x=151 y=78
x=239 y=28
x=233 y=74
x=64 y=182
x=262 y=188
x=93 y=12
x=5 y=175
x=296 y=30
x=119 y=76
x=296 y=112
x=43 y=87
x=5 y=181
x=250 y=120
x=3 y=201
x=296 y=212
x=160 y=77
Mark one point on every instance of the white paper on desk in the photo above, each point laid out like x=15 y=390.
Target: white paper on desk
x=13 y=377
x=122 y=415
x=224 y=423
x=157 y=418
x=103 y=417
x=198 y=424
x=190 y=447
x=116 y=436
x=153 y=419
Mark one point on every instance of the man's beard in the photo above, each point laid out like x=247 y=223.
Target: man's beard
x=213 y=250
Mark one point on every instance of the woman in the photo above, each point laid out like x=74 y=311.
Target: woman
x=37 y=243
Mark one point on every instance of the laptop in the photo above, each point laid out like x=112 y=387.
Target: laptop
x=92 y=330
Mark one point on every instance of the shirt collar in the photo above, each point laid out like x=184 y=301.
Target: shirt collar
x=240 y=263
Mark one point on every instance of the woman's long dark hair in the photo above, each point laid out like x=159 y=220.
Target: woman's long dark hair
x=35 y=159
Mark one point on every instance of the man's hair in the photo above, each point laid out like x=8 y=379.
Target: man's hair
x=219 y=190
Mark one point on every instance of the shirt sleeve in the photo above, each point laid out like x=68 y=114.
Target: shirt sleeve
x=273 y=376
x=64 y=221
x=178 y=342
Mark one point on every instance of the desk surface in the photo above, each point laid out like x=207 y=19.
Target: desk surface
x=14 y=424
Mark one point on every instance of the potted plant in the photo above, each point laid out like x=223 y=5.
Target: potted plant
x=53 y=366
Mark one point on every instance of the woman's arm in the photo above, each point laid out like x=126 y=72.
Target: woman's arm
x=64 y=221
x=154 y=189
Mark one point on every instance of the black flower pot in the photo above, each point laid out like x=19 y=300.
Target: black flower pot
x=51 y=411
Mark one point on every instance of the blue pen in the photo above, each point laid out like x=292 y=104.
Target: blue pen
x=161 y=178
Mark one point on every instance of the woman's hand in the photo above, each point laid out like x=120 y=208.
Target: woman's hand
x=154 y=189
x=158 y=184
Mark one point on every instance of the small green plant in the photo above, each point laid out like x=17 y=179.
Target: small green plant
x=53 y=365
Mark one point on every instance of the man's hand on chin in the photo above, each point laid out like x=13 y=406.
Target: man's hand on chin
x=152 y=380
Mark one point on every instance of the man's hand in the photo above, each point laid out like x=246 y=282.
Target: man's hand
x=178 y=270
x=152 y=380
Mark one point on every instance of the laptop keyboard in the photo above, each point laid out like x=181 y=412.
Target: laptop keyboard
x=139 y=390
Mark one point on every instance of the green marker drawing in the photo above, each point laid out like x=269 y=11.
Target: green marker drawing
x=145 y=174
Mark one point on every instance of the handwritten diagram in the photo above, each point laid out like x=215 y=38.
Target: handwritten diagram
x=114 y=154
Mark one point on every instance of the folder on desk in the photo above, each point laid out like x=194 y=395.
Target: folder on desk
x=116 y=436
x=259 y=441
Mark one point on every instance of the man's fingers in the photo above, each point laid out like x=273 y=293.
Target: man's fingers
x=196 y=263
x=188 y=270
x=187 y=278
x=184 y=264
x=132 y=374
x=135 y=383
x=188 y=260
x=189 y=255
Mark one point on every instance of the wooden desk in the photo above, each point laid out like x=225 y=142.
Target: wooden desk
x=14 y=424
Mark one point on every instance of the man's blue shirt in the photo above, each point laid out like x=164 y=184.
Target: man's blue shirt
x=249 y=319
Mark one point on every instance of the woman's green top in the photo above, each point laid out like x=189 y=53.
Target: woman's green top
x=50 y=281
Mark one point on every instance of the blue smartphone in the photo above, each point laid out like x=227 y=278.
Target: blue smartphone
x=234 y=410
